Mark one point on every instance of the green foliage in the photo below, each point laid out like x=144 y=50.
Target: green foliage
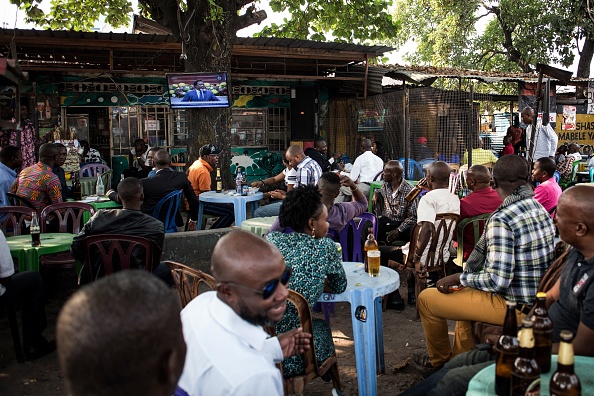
x=361 y=21
x=76 y=14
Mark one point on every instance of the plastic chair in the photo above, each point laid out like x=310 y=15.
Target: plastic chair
x=106 y=177
x=13 y=221
x=557 y=176
x=414 y=171
x=565 y=183
x=17 y=200
x=70 y=218
x=351 y=235
x=171 y=201
x=478 y=224
x=188 y=281
x=592 y=175
x=92 y=169
x=106 y=254
x=313 y=370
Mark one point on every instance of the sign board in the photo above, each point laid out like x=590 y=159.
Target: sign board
x=582 y=132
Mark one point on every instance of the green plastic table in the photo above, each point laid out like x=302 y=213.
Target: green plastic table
x=258 y=225
x=483 y=383
x=28 y=256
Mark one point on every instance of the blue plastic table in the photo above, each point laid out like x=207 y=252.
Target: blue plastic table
x=364 y=293
x=239 y=203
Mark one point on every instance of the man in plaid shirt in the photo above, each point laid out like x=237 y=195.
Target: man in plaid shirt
x=308 y=170
x=508 y=263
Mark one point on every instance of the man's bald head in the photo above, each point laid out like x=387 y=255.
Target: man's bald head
x=478 y=177
x=130 y=191
x=579 y=199
x=48 y=153
x=295 y=150
x=366 y=145
x=162 y=159
x=329 y=183
x=510 y=172
x=439 y=173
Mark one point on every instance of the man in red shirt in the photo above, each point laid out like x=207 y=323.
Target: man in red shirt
x=199 y=176
x=482 y=200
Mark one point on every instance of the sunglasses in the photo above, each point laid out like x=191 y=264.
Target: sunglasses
x=269 y=288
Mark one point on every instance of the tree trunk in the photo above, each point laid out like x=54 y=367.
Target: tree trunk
x=583 y=70
x=209 y=48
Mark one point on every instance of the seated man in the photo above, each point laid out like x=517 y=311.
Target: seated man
x=98 y=358
x=566 y=166
x=547 y=193
x=339 y=213
x=199 y=177
x=59 y=171
x=480 y=156
x=576 y=226
x=507 y=263
x=482 y=200
x=129 y=220
x=319 y=153
x=25 y=286
x=38 y=183
x=365 y=168
x=137 y=160
x=228 y=351
x=288 y=177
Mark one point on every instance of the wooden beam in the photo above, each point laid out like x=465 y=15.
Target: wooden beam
x=296 y=77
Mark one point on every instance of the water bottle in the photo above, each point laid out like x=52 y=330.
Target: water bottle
x=35 y=230
x=238 y=180
x=100 y=188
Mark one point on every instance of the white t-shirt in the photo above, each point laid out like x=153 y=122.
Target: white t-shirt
x=6 y=263
x=430 y=205
x=227 y=355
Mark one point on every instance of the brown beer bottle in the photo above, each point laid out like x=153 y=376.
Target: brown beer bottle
x=564 y=382
x=543 y=333
x=76 y=187
x=506 y=351
x=412 y=194
x=370 y=244
x=219 y=181
x=525 y=378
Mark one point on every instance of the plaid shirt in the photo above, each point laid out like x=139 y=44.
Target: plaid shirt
x=519 y=250
x=39 y=185
x=308 y=172
x=397 y=208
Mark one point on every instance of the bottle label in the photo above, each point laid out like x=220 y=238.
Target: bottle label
x=534 y=388
x=219 y=186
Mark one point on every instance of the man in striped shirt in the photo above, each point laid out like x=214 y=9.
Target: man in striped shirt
x=38 y=183
x=508 y=263
x=308 y=170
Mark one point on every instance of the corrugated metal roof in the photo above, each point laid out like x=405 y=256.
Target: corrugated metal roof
x=426 y=75
x=296 y=43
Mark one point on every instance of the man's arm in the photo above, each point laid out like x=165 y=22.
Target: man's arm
x=553 y=139
x=54 y=190
x=192 y=200
x=356 y=169
x=76 y=248
x=422 y=241
x=411 y=218
x=358 y=195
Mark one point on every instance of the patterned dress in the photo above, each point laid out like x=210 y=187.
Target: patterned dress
x=312 y=260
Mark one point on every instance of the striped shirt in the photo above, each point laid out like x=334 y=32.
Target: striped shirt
x=308 y=172
x=519 y=250
x=39 y=185
x=397 y=208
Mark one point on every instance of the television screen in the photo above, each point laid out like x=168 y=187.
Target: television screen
x=198 y=90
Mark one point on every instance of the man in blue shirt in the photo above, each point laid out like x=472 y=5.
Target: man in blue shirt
x=11 y=159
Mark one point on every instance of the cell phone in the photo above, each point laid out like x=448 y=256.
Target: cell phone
x=456 y=287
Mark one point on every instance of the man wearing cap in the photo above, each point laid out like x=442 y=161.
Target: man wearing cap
x=199 y=176
x=421 y=151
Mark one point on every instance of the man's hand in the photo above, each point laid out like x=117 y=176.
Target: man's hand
x=419 y=268
x=393 y=235
x=443 y=285
x=337 y=155
x=294 y=342
x=346 y=181
x=278 y=194
x=340 y=166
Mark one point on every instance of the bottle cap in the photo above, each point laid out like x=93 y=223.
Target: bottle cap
x=566 y=335
x=541 y=295
x=511 y=303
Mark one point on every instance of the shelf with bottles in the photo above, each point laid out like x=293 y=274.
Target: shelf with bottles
x=178 y=158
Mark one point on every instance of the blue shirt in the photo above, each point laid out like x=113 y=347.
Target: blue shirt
x=7 y=177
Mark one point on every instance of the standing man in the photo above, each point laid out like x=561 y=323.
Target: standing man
x=545 y=138
x=58 y=171
x=38 y=183
x=308 y=170
x=547 y=193
x=366 y=167
x=229 y=353
x=507 y=263
x=199 y=177
x=11 y=159
x=482 y=200
x=319 y=152
x=199 y=94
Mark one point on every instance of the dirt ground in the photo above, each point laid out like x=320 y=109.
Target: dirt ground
x=403 y=337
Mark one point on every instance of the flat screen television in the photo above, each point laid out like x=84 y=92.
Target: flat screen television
x=198 y=90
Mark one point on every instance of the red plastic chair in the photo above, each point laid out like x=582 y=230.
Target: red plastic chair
x=69 y=218
x=106 y=254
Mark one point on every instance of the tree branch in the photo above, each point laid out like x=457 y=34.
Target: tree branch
x=164 y=13
x=242 y=3
x=249 y=18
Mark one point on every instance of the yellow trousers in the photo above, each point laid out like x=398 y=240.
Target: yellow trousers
x=464 y=306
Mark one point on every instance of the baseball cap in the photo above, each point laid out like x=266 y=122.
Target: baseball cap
x=422 y=140
x=209 y=149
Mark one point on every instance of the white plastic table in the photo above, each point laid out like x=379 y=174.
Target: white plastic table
x=258 y=225
x=363 y=292
x=239 y=204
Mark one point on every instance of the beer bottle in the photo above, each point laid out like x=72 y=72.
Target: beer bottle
x=525 y=378
x=219 y=181
x=506 y=351
x=564 y=381
x=412 y=194
x=35 y=230
x=543 y=333
x=76 y=188
x=370 y=244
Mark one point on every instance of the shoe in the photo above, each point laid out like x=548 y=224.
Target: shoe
x=422 y=364
x=42 y=348
x=412 y=299
x=395 y=302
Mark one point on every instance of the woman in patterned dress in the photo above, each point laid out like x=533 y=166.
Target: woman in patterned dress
x=316 y=264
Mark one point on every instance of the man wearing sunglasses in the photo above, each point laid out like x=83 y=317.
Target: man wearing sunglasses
x=229 y=353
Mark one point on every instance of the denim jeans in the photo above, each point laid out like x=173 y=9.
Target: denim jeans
x=272 y=209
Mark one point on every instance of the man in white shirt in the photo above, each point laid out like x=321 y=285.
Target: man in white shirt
x=545 y=139
x=229 y=353
x=365 y=168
